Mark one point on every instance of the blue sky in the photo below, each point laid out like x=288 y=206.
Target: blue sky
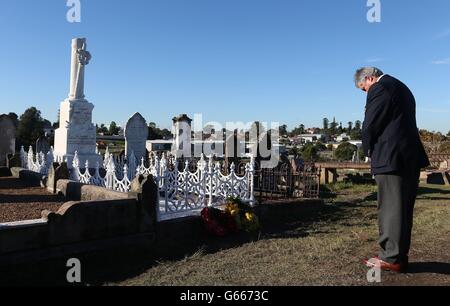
x=290 y=61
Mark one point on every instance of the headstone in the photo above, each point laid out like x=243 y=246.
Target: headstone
x=182 y=140
x=7 y=138
x=13 y=161
x=42 y=145
x=136 y=134
x=76 y=132
x=55 y=173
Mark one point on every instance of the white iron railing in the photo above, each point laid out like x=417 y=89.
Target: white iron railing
x=38 y=162
x=179 y=191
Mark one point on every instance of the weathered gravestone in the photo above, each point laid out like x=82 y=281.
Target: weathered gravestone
x=42 y=145
x=7 y=139
x=136 y=134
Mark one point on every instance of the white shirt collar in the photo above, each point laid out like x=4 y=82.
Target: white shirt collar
x=381 y=77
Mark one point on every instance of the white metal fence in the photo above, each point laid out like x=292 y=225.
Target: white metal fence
x=179 y=190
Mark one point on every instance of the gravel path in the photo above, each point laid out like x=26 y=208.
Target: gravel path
x=19 y=202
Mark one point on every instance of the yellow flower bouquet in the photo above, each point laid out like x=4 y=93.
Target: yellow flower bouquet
x=243 y=214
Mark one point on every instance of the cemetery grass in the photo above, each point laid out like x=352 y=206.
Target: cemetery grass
x=322 y=247
x=326 y=248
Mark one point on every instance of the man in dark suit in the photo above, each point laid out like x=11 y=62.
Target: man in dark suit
x=391 y=139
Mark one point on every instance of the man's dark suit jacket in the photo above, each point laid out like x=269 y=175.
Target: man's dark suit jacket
x=390 y=134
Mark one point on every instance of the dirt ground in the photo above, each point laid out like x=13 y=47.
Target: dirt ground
x=19 y=202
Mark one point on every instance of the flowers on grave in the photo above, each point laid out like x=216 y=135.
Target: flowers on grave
x=237 y=216
x=243 y=214
x=218 y=222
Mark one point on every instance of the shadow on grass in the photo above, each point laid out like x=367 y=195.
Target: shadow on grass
x=429 y=267
x=122 y=263
x=429 y=190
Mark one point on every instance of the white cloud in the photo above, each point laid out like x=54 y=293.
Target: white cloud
x=445 y=61
x=375 y=60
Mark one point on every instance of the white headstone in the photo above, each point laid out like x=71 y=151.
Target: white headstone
x=136 y=134
x=76 y=132
x=7 y=138
x=182 y=136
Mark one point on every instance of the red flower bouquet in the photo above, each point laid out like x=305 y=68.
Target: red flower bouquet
x=218 y=222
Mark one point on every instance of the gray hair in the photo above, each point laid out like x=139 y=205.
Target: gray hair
x=364 y=72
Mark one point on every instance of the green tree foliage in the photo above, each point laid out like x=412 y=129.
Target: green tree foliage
x=345 y=151
x=102 y=129
x=30 y=127
x=295 y=151
x=155 y=133
x=320 y=146
x=326 y=124
x=56 y=124
x=283 y=130
x=333 y=126
x=300 y=130
x=113 y=129
x=356 y=133
x=310 y=153
x=350 y=126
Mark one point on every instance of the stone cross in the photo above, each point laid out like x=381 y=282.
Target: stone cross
x=80 y=58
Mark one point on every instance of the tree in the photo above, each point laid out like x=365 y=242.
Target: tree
x=295 y=151
x=113 y=128
x=345 y=151
x=356 y=133
x=362 y=154
x=333 y=126
x=102 y=129
x=325 y=124
x=56 y=124
x=448 y=134
x=320 y=146
x=30 y=127
x=350 y=126
x=283 y=130
x=155 y=133
x=298 y=131
x=309 y=153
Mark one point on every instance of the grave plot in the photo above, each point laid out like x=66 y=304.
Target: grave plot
x=20 y=202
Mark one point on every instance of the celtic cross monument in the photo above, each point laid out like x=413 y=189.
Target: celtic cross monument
x=76 y=131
